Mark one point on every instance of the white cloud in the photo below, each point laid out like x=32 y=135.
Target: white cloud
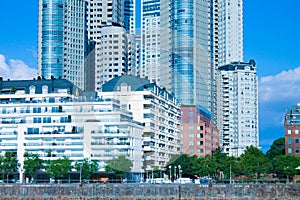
x=284 y=86
x=16 y=69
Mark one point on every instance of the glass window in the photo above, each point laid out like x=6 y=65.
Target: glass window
x=200 y=143
x=290 y=140
x=289 y=131
x=296 y=131
x=297 y=141
x=200 y=150
x=191 y=143
x=289 y=150
x=45 y=89
x=297 y=150
x=191 y=120
x=191 y=151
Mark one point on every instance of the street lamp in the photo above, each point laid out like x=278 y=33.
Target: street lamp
x=179 y=168
x=80 y=172
x=170 y=173
x=175 y=172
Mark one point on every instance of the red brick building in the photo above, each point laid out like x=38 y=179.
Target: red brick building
x=292 y=131
x=198 y=134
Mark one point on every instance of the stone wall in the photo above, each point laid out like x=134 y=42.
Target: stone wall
x=149 y=192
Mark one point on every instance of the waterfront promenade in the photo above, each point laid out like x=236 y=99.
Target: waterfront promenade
x=150 y=192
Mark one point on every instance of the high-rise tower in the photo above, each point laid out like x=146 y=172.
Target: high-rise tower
x=61 y=40
x=230 y=31
x=186 y=51
x=110 y=23
x=150 y=40
x=237 y=107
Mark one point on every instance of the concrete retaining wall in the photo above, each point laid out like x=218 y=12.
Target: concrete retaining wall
x=149 y=192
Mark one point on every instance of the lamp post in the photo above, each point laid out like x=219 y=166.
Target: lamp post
x=179 y=168
x=175 y=172
x=80 y=172
x=170 y=173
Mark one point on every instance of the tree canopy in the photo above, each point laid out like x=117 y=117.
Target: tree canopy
x=120 y=166
x=58 y=168
x=86 y=168
x=277 y=148
x=8 y=163
x=32 y=164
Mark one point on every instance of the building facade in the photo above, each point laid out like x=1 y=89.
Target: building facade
x=48 y=118
x=157 y=109
x=198 y=133
x=112 y=54
x=230 y=31
x=150 y=40
x=62 y=40
x=291 y=130
x=186 y=68
x=237 y=104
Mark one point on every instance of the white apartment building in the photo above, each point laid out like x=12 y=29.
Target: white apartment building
x=111 y=57
x=57 y=122
x=150 y=40
x=157 y=109
x=115 y=54
x=237 y=103
x=230 y=31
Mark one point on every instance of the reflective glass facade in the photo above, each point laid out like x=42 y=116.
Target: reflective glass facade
x=52 y=44
x=188 y=54
x=62 y=40
x=182 y=25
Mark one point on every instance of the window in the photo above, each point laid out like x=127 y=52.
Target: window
x=200 y=150
x=297 y=150
x=296 y=131
x=191 y=151
x=289 y=150
x=289 y=131
x=200 y=128
x=290 y=140
x=297 y=141
x=191 y=120
x=191 y=128
x=200 y=143
x=45 y=89
x=191 y=135
x=32 y=89
x=191 y=143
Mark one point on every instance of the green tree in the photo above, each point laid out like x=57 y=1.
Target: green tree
x=231 y=167
x=86 y=168
x=188 y=165
x=285 y=165
x=8 y=164
x=219 y=158
x=120 y=166
x=277 y=149
x=253 y=162
x=58 y=168
x=32 y=164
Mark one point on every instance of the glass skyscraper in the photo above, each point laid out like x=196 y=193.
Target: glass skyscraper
x=61 y=40
x=186 y=61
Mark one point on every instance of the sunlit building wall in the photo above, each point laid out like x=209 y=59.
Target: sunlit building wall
x=237 y=101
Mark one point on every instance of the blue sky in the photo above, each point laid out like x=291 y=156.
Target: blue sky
x=271 y=37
